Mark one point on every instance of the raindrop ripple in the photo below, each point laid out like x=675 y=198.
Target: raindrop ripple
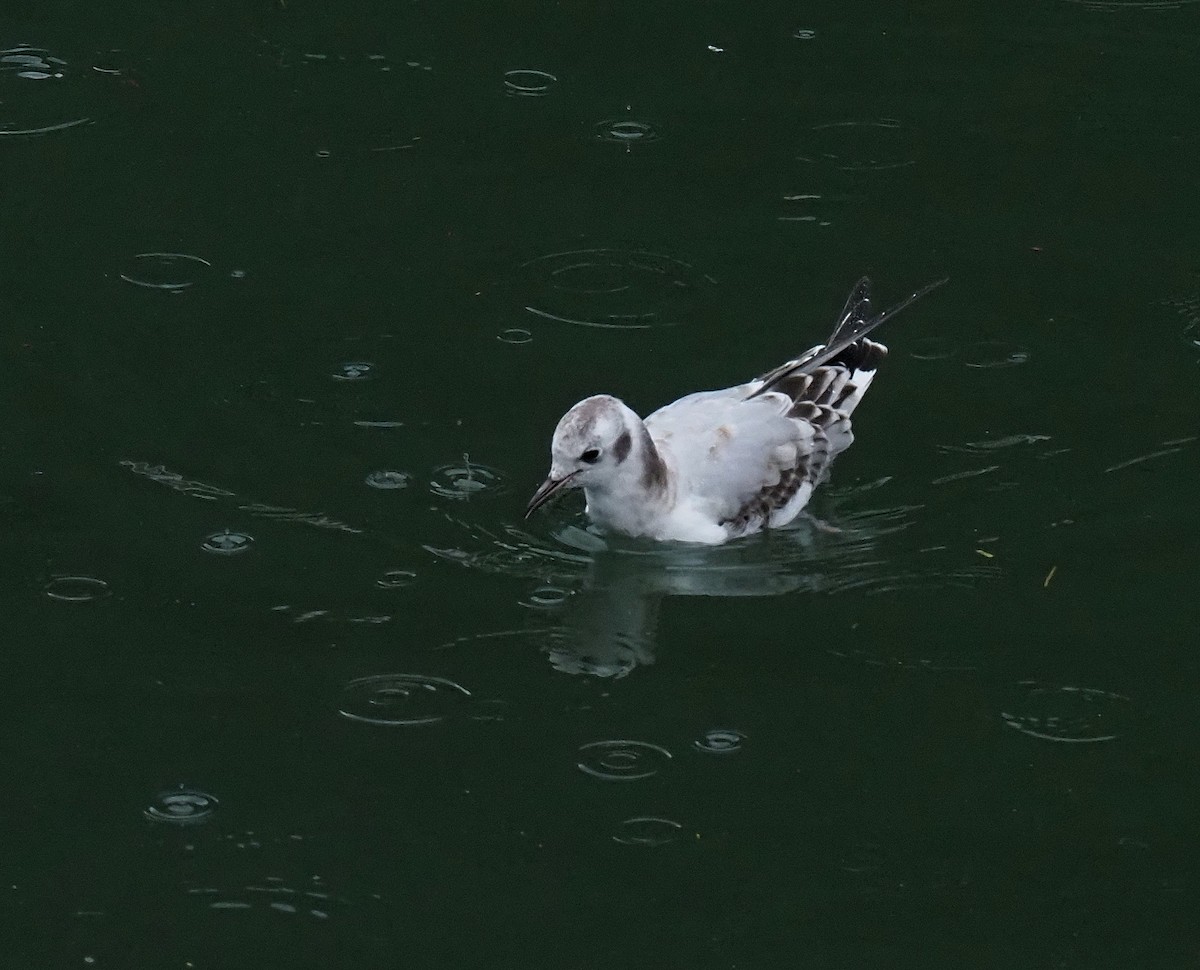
x=622 y=760
x=182 y=806
x=401 y=700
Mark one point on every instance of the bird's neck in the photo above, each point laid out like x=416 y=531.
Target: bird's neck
x=635 y=499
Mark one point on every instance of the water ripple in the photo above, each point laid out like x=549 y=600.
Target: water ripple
x=402 y=700
x=1074 y=715
x=465 y=480
x=854 y=553
x=528 y=83
x=226 y=543
x=855 y=146
x=720 y=741
x=515 y=336
x=648 y=830
x=613 y=289
x=622 y=760
x=387 y=479
x=76 y=589
x=353 y=370
x=396 y=579
x=41 y=93
x=172 y=272
x=182 y=806
x=546 y=598
x=625 y=131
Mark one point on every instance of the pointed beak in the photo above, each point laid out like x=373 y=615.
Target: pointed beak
x=548 y=489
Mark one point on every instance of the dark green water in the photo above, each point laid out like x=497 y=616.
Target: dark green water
x=411 y=730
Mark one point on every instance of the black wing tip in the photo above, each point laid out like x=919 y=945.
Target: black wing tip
x=853 y=325
x=875 y=319
x=864 y=286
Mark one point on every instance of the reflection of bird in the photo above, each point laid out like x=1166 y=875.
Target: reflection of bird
x=606 y=631
x=608 y=627
x=720 y=464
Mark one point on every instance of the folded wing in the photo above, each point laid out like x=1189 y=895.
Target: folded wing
x=746 y=463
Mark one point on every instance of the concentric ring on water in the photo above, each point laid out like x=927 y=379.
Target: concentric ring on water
x=401 y=700
x=870 y=145
x=720 y=741
x=647 y=830
x=613 y=289
x=353 y=370
x=39 y=93
x=515 y=336
x=182 y=806
x=547 y=597
x=528 y=83
x=76 y=589
x=388 y=479
x=165 y=271
x=227 y=543
x=625 y=131
x=622 y=760
x=465 y=480
x=396 y=579
x=1074 y=715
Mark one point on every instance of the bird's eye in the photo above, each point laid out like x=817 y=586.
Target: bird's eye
x=591 y=456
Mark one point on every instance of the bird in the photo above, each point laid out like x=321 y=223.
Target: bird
x=718 y=465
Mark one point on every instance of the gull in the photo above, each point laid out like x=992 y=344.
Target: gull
x=718 y=465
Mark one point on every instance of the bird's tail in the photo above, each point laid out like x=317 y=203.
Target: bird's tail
x=836 y=374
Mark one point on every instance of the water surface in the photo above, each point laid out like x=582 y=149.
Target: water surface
x=294 y=300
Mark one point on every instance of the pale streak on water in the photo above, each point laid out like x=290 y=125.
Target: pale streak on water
x=1161 y=453
x=211 y=493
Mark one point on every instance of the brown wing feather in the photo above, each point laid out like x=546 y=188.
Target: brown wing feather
x=758 y=510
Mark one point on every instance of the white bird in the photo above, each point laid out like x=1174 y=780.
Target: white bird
x=716 y=465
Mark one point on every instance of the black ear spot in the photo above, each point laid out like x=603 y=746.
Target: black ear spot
x=621 y=447
x=591 y=456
